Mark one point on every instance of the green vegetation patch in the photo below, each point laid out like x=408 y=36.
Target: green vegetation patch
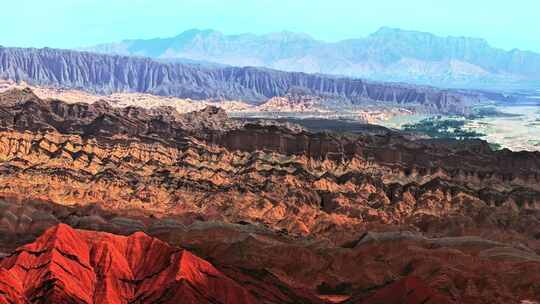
x=442 y=128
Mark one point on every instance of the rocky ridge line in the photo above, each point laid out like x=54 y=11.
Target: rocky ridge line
x=108 y=74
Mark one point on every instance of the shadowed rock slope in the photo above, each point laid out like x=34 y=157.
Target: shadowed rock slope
x=409 y=290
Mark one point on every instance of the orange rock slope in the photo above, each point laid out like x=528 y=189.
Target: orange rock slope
x=77 y=266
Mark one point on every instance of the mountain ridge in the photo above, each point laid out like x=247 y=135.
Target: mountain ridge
x=389 y=54
x=104 y=74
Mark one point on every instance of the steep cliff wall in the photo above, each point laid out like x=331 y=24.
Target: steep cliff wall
x=107 y=74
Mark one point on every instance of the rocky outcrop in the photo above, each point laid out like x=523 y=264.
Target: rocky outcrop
x=24 y=111
x=101 y=267
x=107 y=74
x=70 y=266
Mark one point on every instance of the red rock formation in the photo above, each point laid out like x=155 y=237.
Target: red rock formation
x=76 y=266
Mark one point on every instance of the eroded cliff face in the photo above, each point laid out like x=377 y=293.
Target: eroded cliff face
x=302 y=195
x=395 y=157
x=361 y=210
x=108 y=74
x=202 y=165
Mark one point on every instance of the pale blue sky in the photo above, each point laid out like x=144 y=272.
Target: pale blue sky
x=72 y=23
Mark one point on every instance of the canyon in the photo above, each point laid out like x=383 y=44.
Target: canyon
x=274 y=212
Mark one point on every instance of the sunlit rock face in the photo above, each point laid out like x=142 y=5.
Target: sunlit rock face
x=74 y=266
x=66 y=264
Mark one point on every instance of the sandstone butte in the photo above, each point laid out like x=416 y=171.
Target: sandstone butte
x=65 y=265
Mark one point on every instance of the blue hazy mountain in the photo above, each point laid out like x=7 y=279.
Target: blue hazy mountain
x=388 y=54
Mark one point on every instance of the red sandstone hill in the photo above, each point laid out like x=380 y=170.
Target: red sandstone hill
x=66 y=265
x=76 y=266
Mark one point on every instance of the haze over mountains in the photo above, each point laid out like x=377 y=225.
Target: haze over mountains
x=388 y=54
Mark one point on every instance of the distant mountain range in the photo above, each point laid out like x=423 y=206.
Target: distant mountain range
x=386 y=55
x=105 y=74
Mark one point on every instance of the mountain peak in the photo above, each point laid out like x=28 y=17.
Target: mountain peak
x=388 y=54
x=386 y=31
x=288 y=36
x=197 y=32
x=394 y=33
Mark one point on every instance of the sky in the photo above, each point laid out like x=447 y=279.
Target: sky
x=77 y=23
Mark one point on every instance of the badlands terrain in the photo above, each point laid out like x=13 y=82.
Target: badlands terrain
x=231 y=211
x=288 y=106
